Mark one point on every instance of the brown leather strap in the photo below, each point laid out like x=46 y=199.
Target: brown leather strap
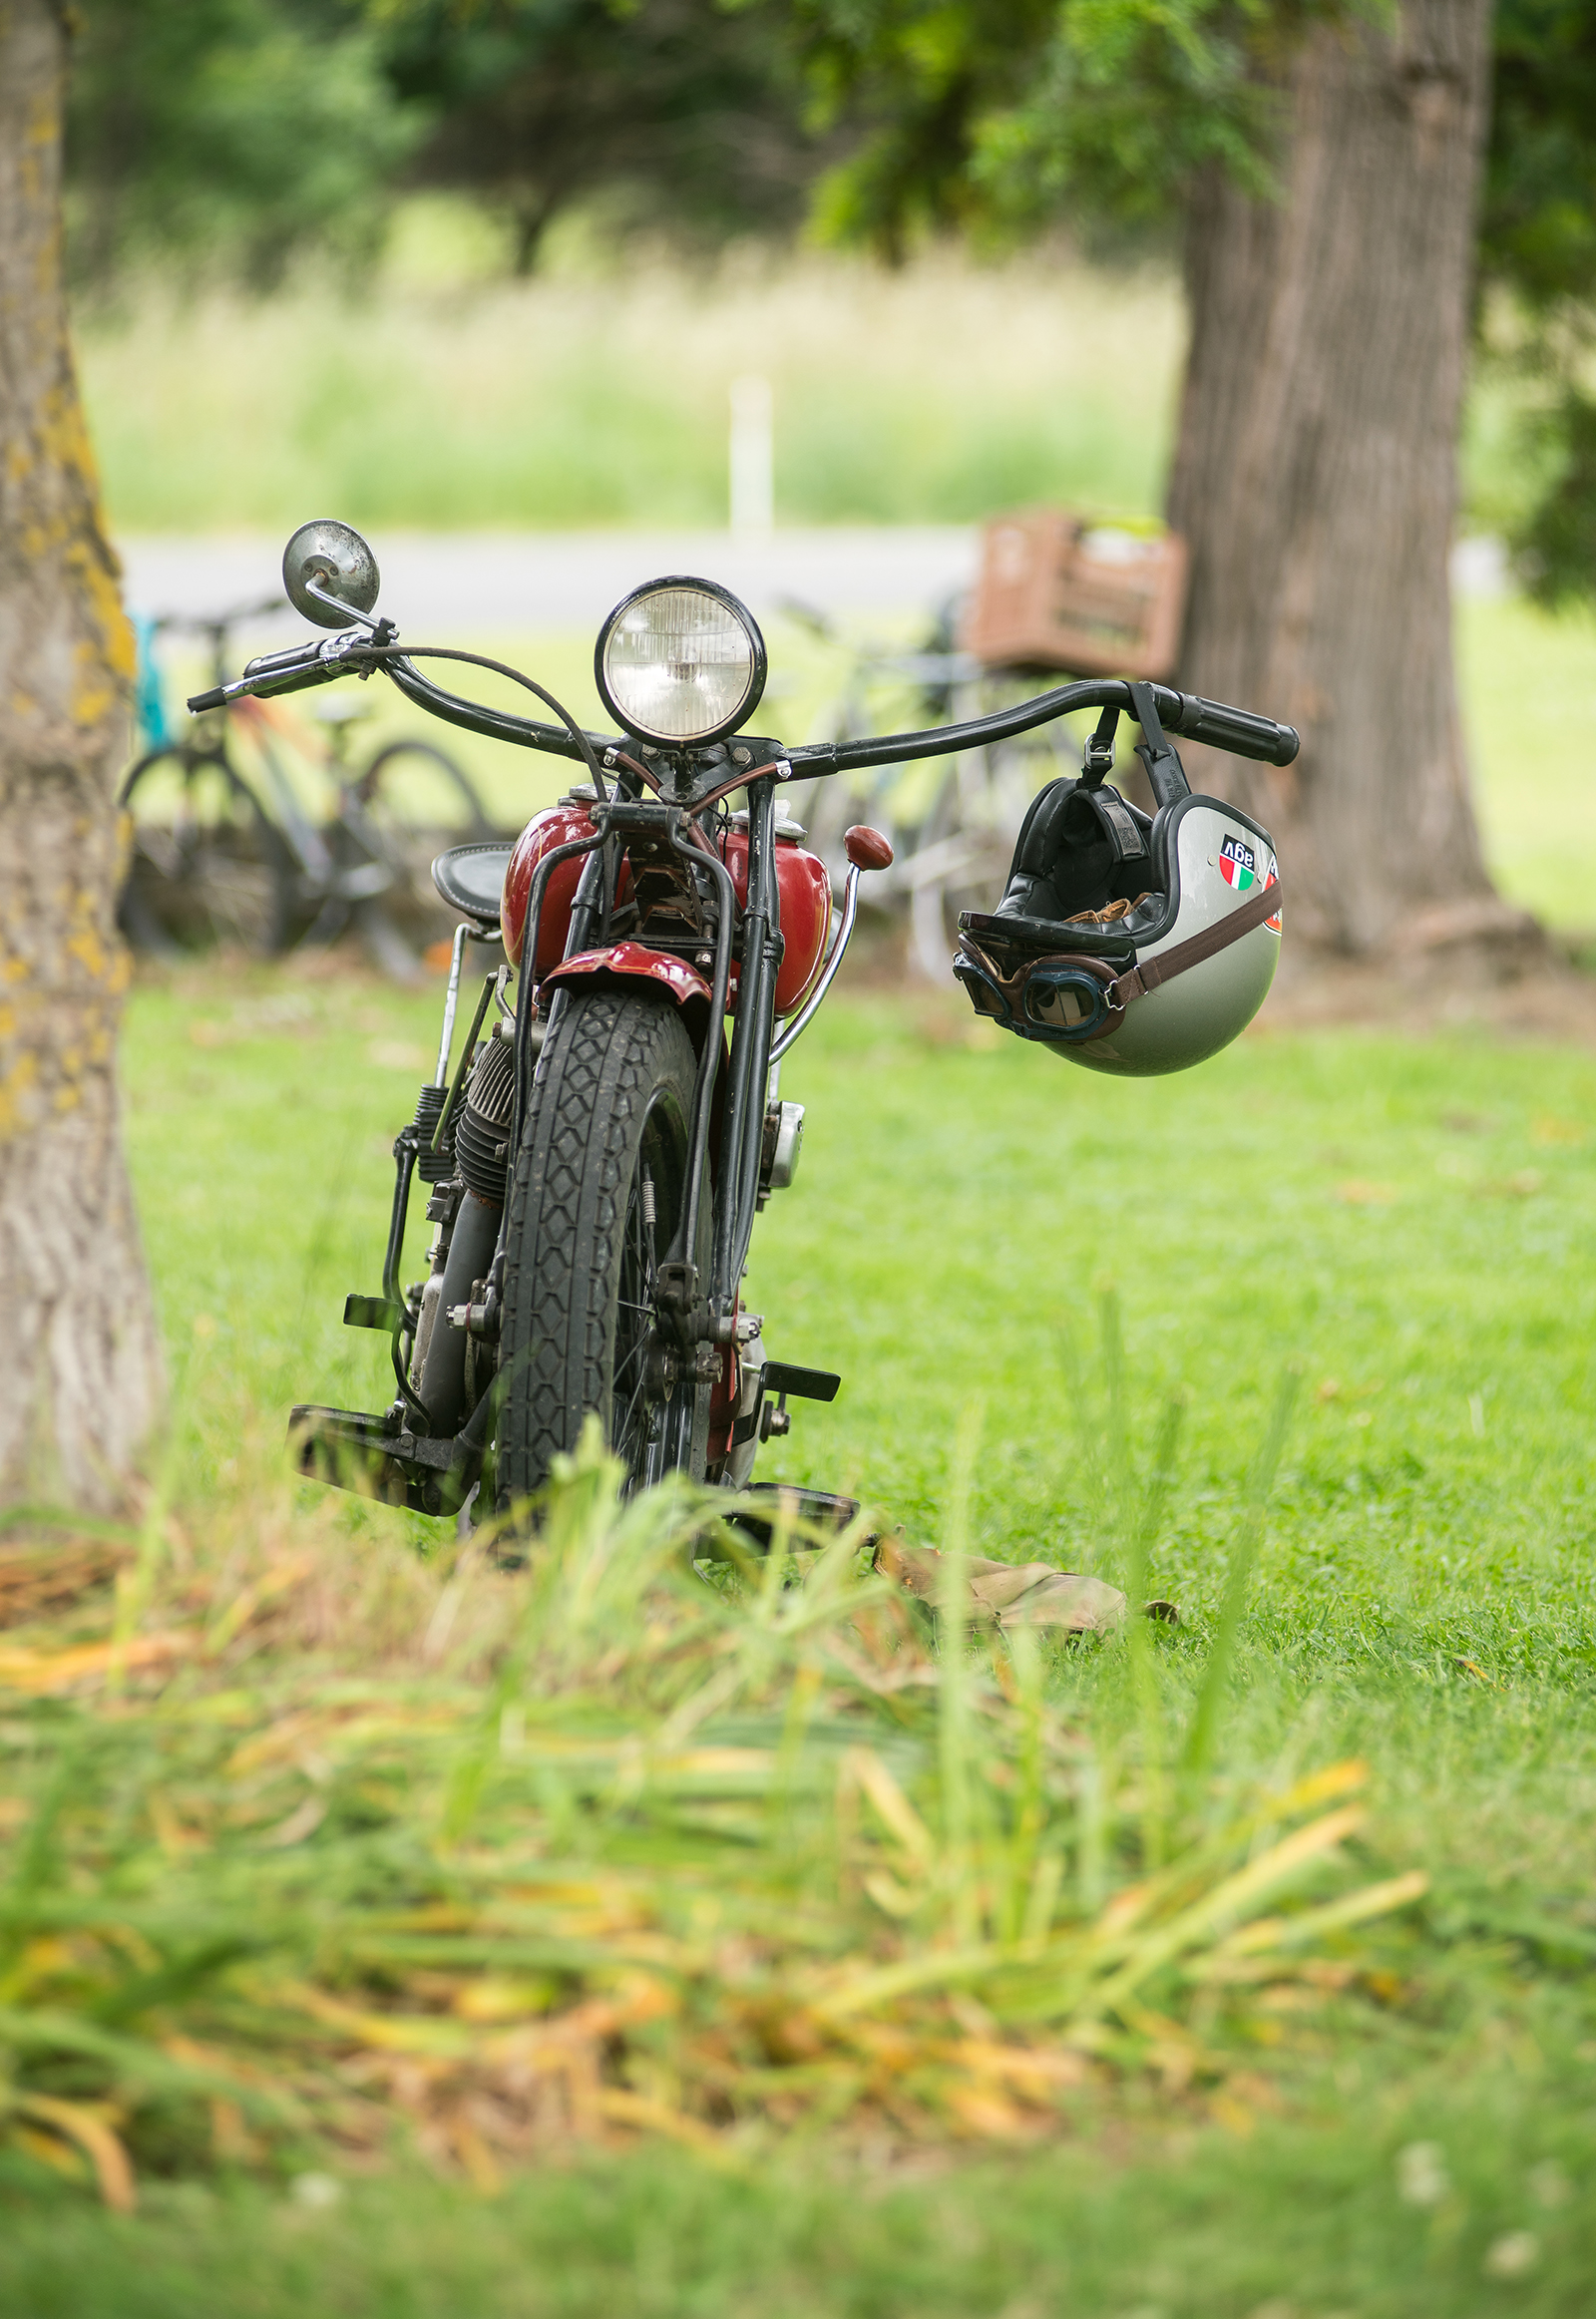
x=1147 y=973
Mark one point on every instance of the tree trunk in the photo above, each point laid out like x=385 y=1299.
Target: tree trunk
x=1316 y=474
x=81 y=1360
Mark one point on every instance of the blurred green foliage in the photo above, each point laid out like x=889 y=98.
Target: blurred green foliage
x=230 y=133
x=671 y=110
x=226 y=135
x=1017 y=113
x=1537 y=245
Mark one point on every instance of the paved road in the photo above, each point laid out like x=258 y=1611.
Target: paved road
x=530 y=583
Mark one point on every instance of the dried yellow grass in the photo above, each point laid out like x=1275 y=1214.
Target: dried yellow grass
x=322 y=1845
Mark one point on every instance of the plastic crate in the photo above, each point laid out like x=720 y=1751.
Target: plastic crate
x=1059 y=591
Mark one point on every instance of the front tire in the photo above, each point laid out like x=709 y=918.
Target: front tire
x=610 y=1111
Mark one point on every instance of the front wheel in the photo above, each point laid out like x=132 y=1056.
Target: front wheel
x=600 y=1191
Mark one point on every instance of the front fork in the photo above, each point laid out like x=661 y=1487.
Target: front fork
x=435 y=1371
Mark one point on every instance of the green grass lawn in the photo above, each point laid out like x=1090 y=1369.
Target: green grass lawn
x=1410 y=1223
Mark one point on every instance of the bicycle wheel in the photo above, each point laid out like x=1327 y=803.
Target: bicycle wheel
x=410 y=803
x=962 y=851
x=417 y=786
x=607 y=1140
x=206 y=864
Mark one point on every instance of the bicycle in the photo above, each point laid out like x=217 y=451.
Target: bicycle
x=1055 y=594
x=213 y=860
x=952 y=822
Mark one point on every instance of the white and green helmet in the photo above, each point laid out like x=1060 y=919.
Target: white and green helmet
x=1130 y=944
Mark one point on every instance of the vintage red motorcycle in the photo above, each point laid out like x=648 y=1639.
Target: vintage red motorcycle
x=596 y=1151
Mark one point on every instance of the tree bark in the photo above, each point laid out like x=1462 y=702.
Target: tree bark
x=82 y=1358
x=1316 y=472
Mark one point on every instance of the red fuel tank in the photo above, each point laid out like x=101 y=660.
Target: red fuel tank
x=805 y=888
x=559 y=825
x=801 y=877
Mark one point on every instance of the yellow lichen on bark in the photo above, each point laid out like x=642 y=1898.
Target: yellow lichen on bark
x=84 y=1367
x=15 y=1084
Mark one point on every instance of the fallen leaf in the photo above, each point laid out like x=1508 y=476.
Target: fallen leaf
x=1009 y=1594
x=42 y=1670
x=92 y=2136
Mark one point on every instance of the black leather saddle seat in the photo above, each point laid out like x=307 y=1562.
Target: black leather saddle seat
x=1082 y=850
x=471 y=879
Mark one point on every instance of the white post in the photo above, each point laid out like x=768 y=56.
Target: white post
x=752 y=459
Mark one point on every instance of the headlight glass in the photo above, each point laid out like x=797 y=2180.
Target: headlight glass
x=679 y=663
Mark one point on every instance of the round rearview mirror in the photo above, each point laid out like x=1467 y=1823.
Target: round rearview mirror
x=342 y=565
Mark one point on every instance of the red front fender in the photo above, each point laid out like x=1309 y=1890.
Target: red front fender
x=636 y=963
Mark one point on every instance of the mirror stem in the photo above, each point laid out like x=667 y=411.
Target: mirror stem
x=351 y=618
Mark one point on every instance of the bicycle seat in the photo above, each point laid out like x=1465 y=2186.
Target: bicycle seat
x=471 y=879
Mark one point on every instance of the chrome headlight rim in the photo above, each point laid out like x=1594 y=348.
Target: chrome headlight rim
x=756 y=682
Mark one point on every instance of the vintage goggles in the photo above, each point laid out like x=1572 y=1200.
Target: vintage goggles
x=1062 y=1001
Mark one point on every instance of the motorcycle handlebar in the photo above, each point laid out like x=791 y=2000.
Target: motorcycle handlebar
x=1187 y=714
x=291 y=671
x=1239 y=730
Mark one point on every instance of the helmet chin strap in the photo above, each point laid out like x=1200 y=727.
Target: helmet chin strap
x=1148 y=974
x=1165 y=771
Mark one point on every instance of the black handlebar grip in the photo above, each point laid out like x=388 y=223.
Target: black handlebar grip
x=199 y=702
x=1238 y=730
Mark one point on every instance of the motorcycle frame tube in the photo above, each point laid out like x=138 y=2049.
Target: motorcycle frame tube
x=529 y=958
x=743 y=1130
x=709 y=1060
x=393 y=1257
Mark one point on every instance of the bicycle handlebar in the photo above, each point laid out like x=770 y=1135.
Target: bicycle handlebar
x=217 y=624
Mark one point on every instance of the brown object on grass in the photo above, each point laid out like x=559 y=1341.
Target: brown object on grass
x=53 y=1572
x=1014 y=1594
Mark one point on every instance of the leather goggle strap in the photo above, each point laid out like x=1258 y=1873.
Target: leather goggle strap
x=1012 y=984
x=1148 y=974
x=1011 y=988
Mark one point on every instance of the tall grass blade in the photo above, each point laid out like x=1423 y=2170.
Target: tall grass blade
x=1155 y=1805
x=1204 y=1730
x=953 y=1734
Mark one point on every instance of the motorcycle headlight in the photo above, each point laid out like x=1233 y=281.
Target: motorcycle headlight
x=680 y=661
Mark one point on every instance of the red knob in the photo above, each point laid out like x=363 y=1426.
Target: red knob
x=866 y=849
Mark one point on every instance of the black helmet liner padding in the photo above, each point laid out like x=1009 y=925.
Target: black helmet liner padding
x=1080 y=848
x=1027 y=931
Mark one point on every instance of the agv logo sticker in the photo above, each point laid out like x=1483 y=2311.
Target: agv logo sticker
x=1238 y=865
x=1240 y=868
